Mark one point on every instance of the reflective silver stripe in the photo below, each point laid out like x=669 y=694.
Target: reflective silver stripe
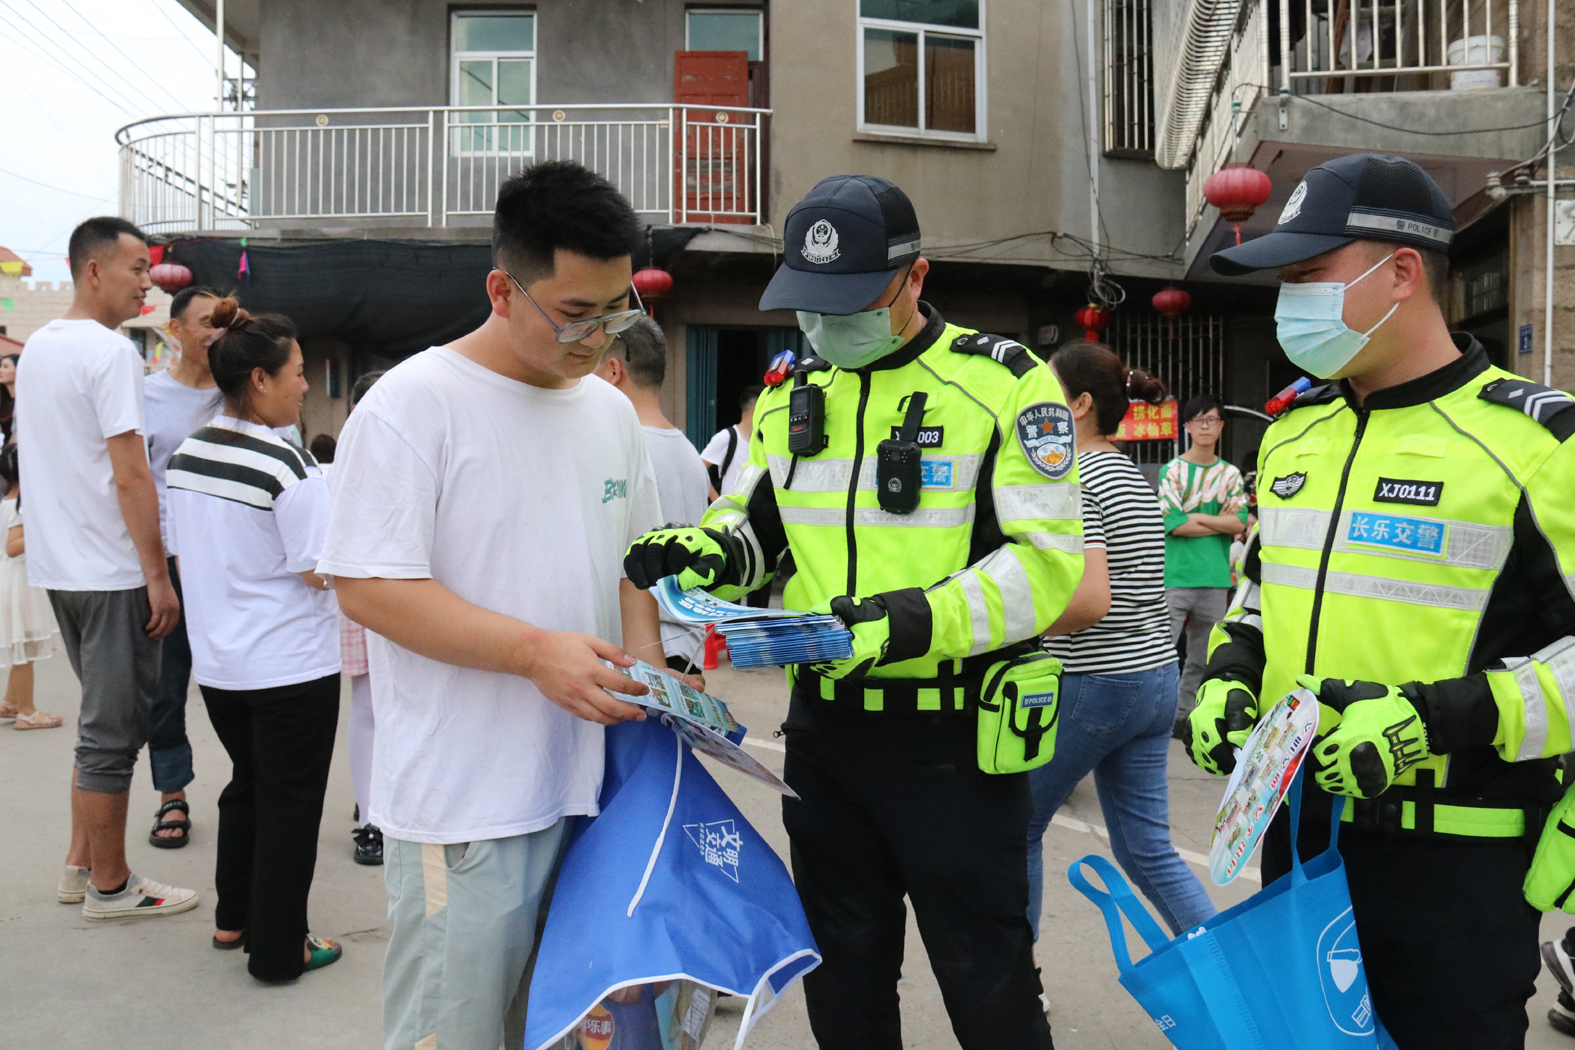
x=756 y=569
x=1017 y=594
x=1534 y=708
x=1559 y=659
x=1244 y=608
x=978 y=611
x=1060 y=500
x=938 y=517
x=1470 y=545
x=1412 y=225
x=1466 y=598
x=896 y=251
x=1055 y=541
x=831 y=475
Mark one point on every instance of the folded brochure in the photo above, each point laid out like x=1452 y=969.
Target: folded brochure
x=759 y=637
x=700 y=720
x=1265 y=768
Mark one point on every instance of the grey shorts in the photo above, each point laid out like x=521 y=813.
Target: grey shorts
x=118 y=665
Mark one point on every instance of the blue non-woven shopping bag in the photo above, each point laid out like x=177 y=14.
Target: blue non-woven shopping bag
x=670 y=882
x=1282 y=970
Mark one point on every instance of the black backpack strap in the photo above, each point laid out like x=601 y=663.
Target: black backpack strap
x=998 y=348
x=1554 y=409
x=732 y=447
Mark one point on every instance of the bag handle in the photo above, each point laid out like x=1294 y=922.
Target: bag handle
x=1337 y=810
x=1116 y=899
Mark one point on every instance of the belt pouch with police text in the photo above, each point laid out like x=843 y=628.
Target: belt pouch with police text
x=1551 y=879
x=1019 y=705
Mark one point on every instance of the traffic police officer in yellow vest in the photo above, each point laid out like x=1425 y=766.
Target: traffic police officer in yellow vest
x=1413 y=566
x=922 y=475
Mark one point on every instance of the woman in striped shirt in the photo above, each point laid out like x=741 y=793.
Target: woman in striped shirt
x=1118 y=687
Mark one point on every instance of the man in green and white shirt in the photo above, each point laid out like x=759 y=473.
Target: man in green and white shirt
x=1205 y=505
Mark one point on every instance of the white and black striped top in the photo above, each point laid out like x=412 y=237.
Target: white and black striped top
x=219 y=461
x=1121 y=513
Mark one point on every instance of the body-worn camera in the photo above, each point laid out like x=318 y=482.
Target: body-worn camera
x=899 y=470
x=806 y=418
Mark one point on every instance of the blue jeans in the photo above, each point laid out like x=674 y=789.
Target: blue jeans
x=1117 y=726
x=169 y=752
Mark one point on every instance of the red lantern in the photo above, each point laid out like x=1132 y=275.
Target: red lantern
x=1092 y=319
x=1237 y=191
x=170 y=276
x=1171 y=302
x=652 y=284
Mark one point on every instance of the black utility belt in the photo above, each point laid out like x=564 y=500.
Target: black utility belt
x=1425 y=813
x=948 y=693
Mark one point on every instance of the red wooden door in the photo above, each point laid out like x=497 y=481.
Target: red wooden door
x=714 y=174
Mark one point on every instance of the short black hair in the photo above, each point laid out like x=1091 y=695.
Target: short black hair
x=750 y=395
x=1199 y=404
x=559 y=204
x=359 y=388
x=645 y=351
x=322 y=448
x=92 y=235
x=184 y=297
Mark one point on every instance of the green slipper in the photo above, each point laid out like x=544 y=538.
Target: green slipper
x=324 y=951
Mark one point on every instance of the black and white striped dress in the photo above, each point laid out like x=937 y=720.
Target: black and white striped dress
x=1122 y=514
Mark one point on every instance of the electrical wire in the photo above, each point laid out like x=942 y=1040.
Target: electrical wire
x=179 y=103
x=108 y=92
x=22 y=83
x=99 y=58
x=47 y=186
x=1409 y=131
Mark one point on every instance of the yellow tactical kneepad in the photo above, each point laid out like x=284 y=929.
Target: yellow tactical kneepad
x=1551 y=878
x=1019 y=705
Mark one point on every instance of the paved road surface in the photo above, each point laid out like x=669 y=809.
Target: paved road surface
x=67 y=984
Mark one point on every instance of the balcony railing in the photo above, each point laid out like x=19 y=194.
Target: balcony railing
x=1411 y=44
x=430 y=167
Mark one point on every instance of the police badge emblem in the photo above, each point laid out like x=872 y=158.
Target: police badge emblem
x=1289 y=485
x=1047 y=436
x=820 y=243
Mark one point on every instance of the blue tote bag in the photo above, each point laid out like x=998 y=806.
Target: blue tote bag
x=1282 y=970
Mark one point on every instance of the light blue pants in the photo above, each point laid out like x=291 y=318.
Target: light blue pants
x=464 y=918
x=1117 y=726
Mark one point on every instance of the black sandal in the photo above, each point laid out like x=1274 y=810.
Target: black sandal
x=160 y=824
x=230 y=946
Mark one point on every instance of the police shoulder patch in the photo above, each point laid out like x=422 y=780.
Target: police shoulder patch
x=1009 y=352
x=1047 y=435
x=1289 y=485
x=1554 y=409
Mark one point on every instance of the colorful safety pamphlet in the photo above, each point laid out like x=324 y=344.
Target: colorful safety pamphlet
x=1265 y=768
x=700 y=720
x=759 y=637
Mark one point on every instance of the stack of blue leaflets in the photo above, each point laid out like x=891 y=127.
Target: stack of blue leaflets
x=759 y=637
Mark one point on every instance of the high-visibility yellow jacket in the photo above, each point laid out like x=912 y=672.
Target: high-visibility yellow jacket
x=993 y=551
x=1428 y=536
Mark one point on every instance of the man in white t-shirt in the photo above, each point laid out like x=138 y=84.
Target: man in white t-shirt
x=728 y=450
x=484 y=493
x=93 y=543
x=637 y=365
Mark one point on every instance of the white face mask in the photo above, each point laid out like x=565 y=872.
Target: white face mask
x=850 y=340
x=1309 y=319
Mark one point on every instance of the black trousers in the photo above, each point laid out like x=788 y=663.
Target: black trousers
x=896 y=805
x=1448 y=941
x=281 y=742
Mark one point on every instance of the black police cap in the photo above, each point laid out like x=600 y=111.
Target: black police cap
x=1360 y=197
x=842 y=245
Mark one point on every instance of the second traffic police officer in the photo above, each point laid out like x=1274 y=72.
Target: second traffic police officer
x=923 y=477
x=1414 y=566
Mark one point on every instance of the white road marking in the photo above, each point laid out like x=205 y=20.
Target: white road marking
x=1060 y=820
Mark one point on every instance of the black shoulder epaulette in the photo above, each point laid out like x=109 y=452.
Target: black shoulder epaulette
x=1318 y=395
x=1009 y=352
x=1554 y=409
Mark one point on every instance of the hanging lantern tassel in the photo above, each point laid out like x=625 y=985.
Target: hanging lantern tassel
x=1093 y=320
x=652 y=283
x=1171 y=302
x=1237 y=191
x=244 y=270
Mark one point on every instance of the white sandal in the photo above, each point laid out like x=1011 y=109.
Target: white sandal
x=38 y=720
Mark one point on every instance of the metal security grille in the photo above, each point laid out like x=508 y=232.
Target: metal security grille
x=1188 y=354
x=1129 y=78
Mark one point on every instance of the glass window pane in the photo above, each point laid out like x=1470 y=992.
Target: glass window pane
x=514 y=87
x=475 y=86
x=948 y=89
x=891 y=78
x=963 y=14
x=492 y=32
x=725 y=31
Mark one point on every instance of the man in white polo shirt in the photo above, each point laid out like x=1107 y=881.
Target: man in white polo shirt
x=483 y=495
x=93 y=543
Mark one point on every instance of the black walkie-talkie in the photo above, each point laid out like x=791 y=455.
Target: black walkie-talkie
x=899 y=468
x=807 y=410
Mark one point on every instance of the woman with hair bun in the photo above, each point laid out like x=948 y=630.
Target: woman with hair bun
x=247 y=516
x=1118 y=686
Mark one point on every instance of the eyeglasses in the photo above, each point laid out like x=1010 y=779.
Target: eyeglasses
x=577 y=331
x=1205 y=421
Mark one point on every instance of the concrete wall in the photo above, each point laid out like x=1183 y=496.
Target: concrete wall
x=321 y=414
x=354 y=53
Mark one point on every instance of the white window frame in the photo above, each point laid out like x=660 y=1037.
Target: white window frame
x=758 y=12
x=980 y=72
x=462 y=130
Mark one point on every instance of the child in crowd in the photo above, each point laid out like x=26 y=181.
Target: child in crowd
x=352 y=653
x=27 y=624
